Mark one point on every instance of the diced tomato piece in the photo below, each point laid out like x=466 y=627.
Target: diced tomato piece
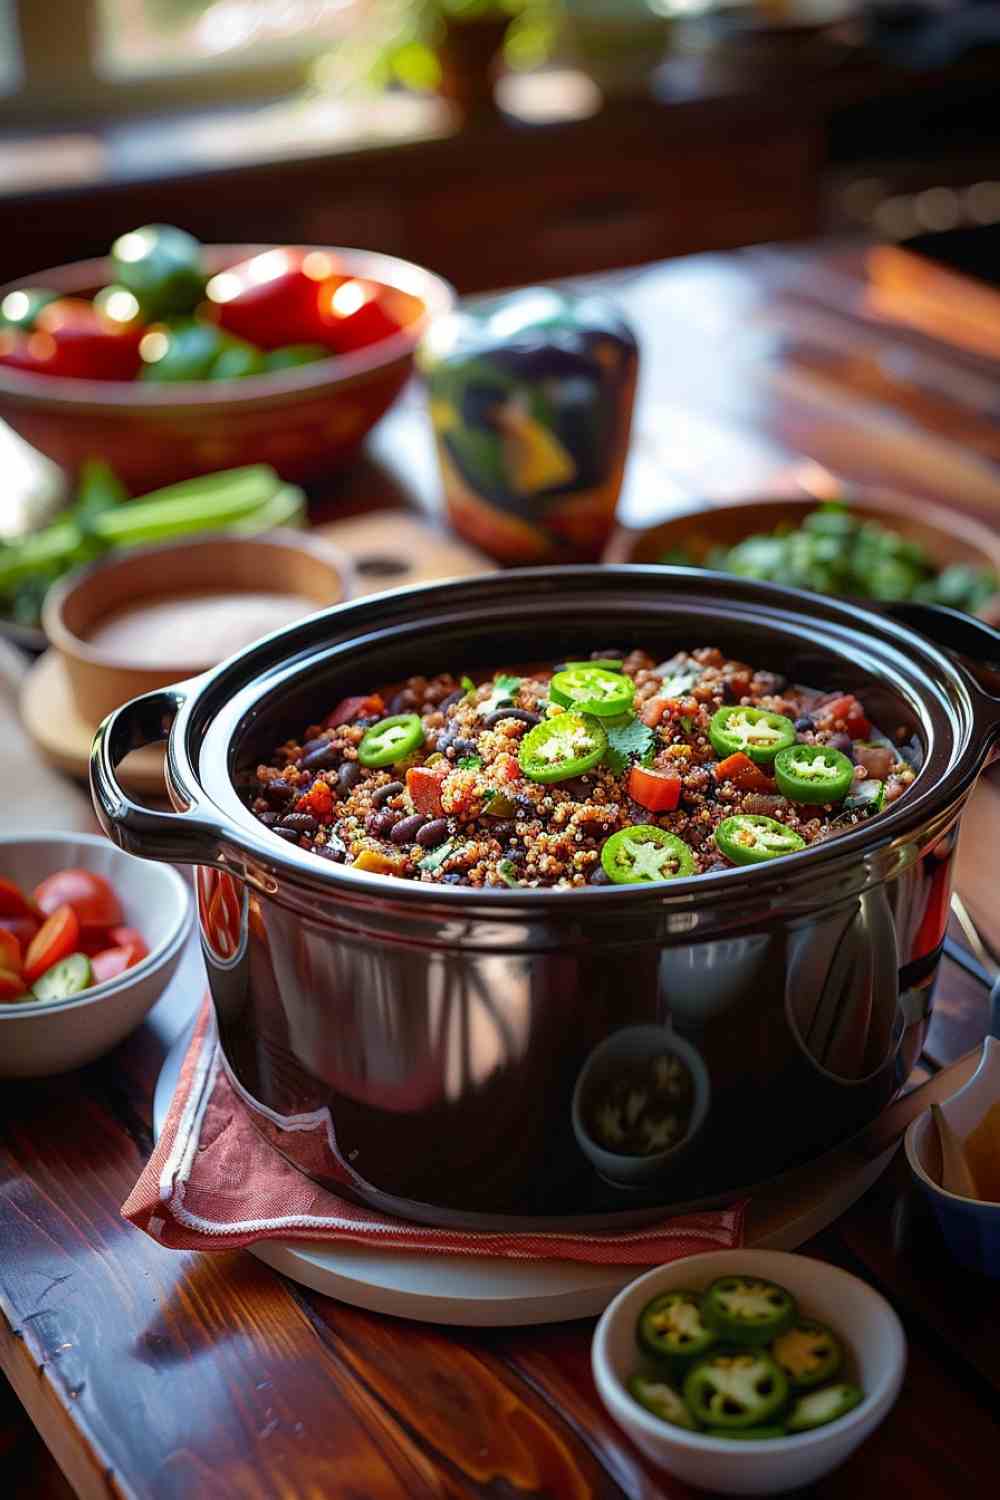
x=658 y=791
x=11 y=986
x=355 y=708
x=424 y=786
x=125 y=937
x=355 y=314
x=274 y=298
x=10 y=952
x=856 y=724
x=744 y=774
x=318 y=801
x=90 y=896
x=72 y=338
x=654 y=710
x=114 y=961
x=56 y=939
x=23 y=928
x=13 y=901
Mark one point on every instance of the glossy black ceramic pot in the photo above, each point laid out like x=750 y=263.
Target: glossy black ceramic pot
x=423 y=1048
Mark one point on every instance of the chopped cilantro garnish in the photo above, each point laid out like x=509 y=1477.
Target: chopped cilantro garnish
x=468 y=686
x=437 y=857
x=507 y=872
x=470 y=763
x=680 y=684
x=626 y=743
x=504 y=691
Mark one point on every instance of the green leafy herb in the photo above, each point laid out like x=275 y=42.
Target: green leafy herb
x=504 y=691
x=627 y=742
x=436 y=858
x=470 y=763
x=507 y=872
x=468 y=686
x=679 y=685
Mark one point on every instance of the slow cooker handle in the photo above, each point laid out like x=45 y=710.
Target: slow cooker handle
x=964 y=636
x=179 y=838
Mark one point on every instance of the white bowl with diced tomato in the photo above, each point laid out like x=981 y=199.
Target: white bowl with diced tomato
x=89 y=939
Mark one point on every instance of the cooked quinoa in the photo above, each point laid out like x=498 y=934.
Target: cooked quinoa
x=464 y=797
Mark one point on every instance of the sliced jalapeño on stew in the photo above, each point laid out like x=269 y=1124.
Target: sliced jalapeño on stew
x=756 y=732
x=593 y=689
x=751 y=838
x=813 y=773
x=391 y=740
x=809 y=1353
x=560 y=748
x=748 y=1309
x=741 y=1388
x=672 y=1327
x=643 y=853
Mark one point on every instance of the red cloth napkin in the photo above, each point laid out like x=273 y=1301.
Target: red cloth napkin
x=214 y=1183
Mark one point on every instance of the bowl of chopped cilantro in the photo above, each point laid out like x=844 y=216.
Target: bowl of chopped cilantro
x=867 y=545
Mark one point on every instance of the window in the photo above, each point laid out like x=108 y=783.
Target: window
x=65 y=57
x=143 y=36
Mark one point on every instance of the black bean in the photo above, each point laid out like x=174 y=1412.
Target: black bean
x=433 y=833
x=268 y=819
x=315 y=744
x=288 y=834
x=599 y=877
x=381 y=823
x=277 y=793
x=453 y=877
x=523 y=715
x=464 y=746
x=323 y=758
x=348 y=777
x=336 y=853
x=391 y=789
x=560 y=666
x=501 y=829
x=404 y=700
x=805 y=721
x=840 y=742
x=452 y=699
x=300 y=822
x=578 y=787
x=611 y=655
x=407 y=830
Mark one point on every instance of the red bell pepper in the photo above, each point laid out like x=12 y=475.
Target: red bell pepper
x=318 y=801
x=850 y=711
x=10 y=952
x=659 y=791
x=744 y=774
x=73 y=338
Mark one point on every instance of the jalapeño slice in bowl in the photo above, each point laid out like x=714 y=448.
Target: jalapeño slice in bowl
x=735 y=1388
x=672 y=1327
x=749 y=1434
x=560 y=748
x=820 y=1407
x=748 y=1309
x=644 y=852
x=813 y=773
x=391 y=740
x=750 y=838
x=661 y=1399
x=592 y=689
x=809 y=1353
x=756 y=732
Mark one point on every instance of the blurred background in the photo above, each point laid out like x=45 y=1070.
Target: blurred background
x=609 y=132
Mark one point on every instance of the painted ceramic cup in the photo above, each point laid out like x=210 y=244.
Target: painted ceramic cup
x=531 y=401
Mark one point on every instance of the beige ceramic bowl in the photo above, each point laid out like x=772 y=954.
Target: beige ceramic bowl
x=102 y=677
x=947 y=536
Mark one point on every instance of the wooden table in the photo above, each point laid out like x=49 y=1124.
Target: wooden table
x=155 y=1374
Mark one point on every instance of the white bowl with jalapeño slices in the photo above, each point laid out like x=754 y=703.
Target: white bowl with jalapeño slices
x=748 y=1372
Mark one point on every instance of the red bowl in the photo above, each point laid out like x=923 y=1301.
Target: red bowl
x=305 y=421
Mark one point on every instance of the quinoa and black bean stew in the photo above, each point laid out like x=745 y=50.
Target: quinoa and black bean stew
x=615 y=770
